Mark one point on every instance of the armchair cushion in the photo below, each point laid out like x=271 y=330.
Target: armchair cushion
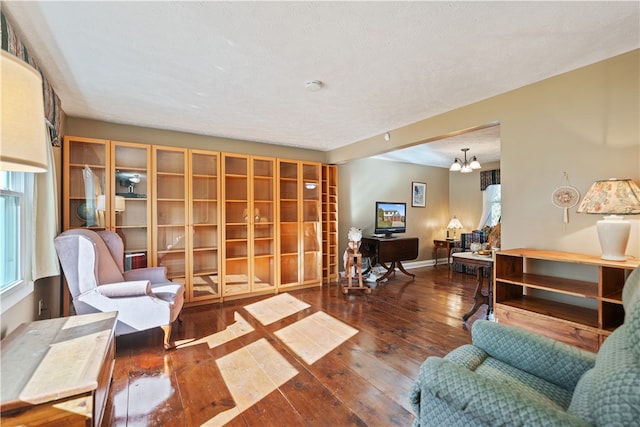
x=126 y=289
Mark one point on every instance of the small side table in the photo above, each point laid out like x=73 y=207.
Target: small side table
x=482 y=263
x=447 y=245
x=58 y=371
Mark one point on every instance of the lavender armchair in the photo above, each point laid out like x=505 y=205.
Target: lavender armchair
x=93 y=264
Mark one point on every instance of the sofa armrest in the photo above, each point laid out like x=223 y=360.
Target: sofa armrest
x=551 y=360
x=125 y=289
x=484 y=399
x=152 y=274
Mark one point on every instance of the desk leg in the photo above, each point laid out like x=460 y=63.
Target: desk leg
x=478 y=298
x=392 y=269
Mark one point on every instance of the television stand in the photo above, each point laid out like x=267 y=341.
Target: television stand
x=393 y=251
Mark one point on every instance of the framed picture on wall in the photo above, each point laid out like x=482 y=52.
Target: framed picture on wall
x=418 y=194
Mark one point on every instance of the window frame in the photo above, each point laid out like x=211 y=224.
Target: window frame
x=20 y=184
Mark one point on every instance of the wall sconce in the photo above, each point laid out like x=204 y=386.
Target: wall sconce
x=310 y=185
x=22 y=128
x=616 y=197
x=465 y=166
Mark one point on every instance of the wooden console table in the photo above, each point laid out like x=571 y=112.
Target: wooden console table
x=390 y=250
x=58 y=371
x=482 y=264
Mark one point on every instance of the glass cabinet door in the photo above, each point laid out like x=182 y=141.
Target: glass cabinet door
x=289 y=227
x=170 y=202
x=263 y=224
x=130 y=212
x=204 y=190
x=236 y=218
x=311 y=223
x=87 y=164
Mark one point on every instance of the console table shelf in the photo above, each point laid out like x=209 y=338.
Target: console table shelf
x=536 y=290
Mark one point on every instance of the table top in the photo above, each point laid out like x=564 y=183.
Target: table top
x=471 y=256
x=52 y=359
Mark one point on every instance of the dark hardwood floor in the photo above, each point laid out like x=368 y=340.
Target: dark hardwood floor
x=365 y=381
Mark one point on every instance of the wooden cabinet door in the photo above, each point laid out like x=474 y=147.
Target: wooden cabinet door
x=130 y=202
x=204 y=214
x=288 y=196
x=300 y=223
x=311 y=222
x=236 y=219
x=86 y=183
x=262 y=231
x=170 y=206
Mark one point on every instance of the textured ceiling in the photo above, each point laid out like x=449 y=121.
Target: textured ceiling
x=238 y=69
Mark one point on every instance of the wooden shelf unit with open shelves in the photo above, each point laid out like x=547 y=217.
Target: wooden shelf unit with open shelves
x=330 y=256
x=533 y=292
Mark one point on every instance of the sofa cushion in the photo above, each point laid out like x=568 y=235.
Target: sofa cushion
x=475 y=359
x=609 y=393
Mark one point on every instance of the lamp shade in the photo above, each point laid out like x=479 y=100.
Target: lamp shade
x=22 y=129
x=614 y=197
x=455 y=224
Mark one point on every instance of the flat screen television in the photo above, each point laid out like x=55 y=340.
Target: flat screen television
x=391 y=218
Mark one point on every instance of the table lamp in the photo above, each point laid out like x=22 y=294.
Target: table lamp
x=454 y=224
x=615 y=197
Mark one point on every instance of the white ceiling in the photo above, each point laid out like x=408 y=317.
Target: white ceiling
x=238 y=69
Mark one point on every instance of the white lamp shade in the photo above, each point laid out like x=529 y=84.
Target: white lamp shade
x=455 y=224
x=22 y=128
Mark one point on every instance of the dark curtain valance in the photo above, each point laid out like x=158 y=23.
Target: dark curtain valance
x=488 y=178
x=12 y=44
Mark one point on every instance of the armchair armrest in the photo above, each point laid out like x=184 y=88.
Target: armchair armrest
x=152 y=274
x=553 y=361
x=486 y=400
x=125 y=289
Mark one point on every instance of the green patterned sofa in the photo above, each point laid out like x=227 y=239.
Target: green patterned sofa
x=511 y=377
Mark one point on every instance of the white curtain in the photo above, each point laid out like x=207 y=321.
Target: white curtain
x=45 y=221
x=490 y=195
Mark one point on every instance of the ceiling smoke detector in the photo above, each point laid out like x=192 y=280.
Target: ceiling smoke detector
x=313 y=85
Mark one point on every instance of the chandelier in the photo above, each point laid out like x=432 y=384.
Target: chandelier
x=466 y=166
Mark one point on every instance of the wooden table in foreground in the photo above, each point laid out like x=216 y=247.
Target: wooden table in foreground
x=58 y=371
x=392 y=250
x=481 y=263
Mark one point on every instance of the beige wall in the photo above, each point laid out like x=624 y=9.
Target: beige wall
x=585 y=123
x=363 y=182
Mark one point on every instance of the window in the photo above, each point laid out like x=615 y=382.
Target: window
x=491 y=206
x=16 y=199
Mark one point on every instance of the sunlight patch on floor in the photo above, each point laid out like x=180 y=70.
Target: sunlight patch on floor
x=237 y=329
x=275 y=308
x=315 y=336
x=251 y=373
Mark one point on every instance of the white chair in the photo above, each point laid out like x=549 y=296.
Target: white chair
x=93 y=265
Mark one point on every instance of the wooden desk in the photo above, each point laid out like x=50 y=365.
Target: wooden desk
x=443 y=244
x=393 y=250
x=58 y=371
x=482 y=264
